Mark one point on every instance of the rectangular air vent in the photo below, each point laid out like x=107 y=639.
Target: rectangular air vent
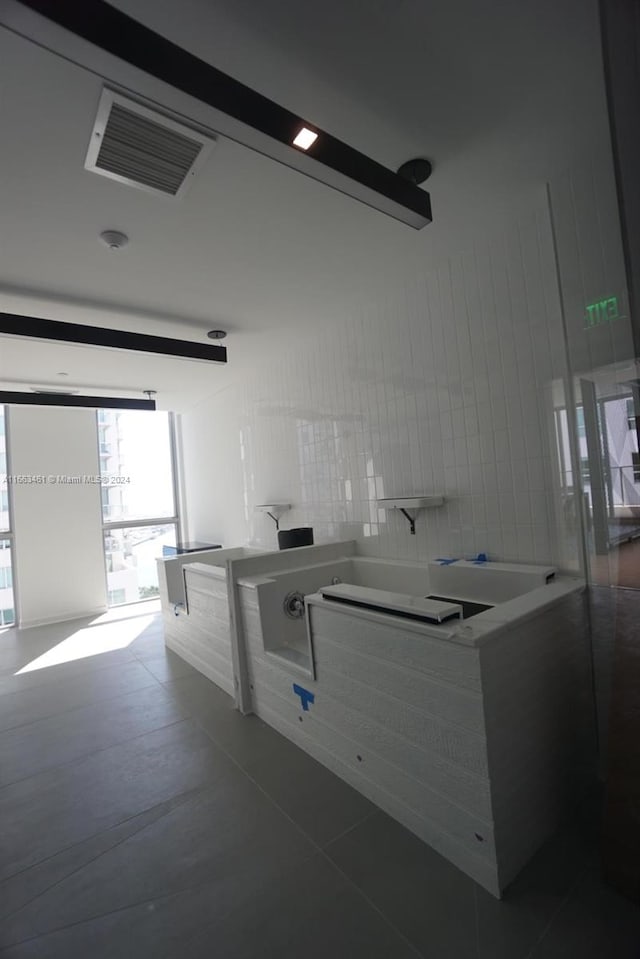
x=142 y=148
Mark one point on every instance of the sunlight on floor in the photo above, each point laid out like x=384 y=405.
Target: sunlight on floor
x=129 y=611
x=106 y=634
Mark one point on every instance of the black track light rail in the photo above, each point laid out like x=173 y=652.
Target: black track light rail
x=122 y=36
x=12 y=324
x=17 y=398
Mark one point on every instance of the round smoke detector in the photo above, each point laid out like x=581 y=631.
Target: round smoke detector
x=114 y=239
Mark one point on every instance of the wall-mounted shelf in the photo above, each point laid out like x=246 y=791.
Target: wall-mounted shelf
x=404 y=503
x=274 y=510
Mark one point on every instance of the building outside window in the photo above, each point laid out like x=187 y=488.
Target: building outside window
x=7 y=602
x=620 y=461
x=139 y=509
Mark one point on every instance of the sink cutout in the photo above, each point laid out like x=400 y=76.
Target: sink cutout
x=468 y=609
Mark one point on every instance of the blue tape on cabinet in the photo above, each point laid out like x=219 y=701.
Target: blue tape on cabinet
x=306 y=697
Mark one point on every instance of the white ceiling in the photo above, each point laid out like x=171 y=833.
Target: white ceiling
x=497 y=94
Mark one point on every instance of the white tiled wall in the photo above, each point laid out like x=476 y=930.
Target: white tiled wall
x=447 y=385
x=441 y=388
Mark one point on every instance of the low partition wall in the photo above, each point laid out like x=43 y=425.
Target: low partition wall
x=171 y=572
x=198 y=595
x=195 y=610
x=476 y=733
x=478 y=736
x=203 y=635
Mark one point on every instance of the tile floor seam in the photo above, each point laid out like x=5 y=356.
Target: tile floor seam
x=374 y=812
x=95 y=752
x=321 y=849
x=556 y=912
x=101 y=915
x=92 y=752
x=376 y=908
x=270 y=797
x=98 y=702
x=190 y=794
x=132 y=905
x=256 y=784
x=16 y=669
x=65 y=712
x=91 y=624
x=94 y=666
x=476 y=919
x=162 y=682
x=306 y=859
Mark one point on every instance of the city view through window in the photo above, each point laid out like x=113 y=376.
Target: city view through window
x=608 y=485
x=7 y=604
x=138 y=500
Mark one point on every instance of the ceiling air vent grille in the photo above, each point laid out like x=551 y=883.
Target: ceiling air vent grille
x=144 y=149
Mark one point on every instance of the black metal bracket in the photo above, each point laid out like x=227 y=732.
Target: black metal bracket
x=412 y=522
x=274 y=518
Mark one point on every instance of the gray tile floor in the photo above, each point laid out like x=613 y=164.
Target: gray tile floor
x=141 y=816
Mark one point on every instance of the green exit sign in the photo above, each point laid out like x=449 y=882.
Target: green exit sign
x=602 y=311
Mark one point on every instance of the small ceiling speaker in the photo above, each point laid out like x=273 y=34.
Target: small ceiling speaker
x=217 y=334
x=114 y=239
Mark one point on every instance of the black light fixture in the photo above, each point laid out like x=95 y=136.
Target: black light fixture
x=12 y=324
x=50 y=398
x=263 y=125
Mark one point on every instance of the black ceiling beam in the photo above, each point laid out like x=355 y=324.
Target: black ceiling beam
x=120 y=35
x=12 y=324
x=8 y=397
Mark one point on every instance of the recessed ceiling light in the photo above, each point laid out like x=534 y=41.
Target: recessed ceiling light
x=305 y=138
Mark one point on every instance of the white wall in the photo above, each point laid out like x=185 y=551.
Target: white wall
x=442 y=388
x=59 y=562
x=445 y=383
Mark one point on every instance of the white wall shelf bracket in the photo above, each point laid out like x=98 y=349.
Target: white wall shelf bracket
x=416 y=503
x=274 y=510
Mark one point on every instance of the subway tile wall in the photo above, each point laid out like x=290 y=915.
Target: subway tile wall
x=445 y=387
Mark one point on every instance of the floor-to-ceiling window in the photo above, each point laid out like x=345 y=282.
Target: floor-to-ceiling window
x=7 y=603
x=139 y=508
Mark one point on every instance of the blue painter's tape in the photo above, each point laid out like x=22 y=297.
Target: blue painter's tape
x=306 y=697
x=446 y=562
